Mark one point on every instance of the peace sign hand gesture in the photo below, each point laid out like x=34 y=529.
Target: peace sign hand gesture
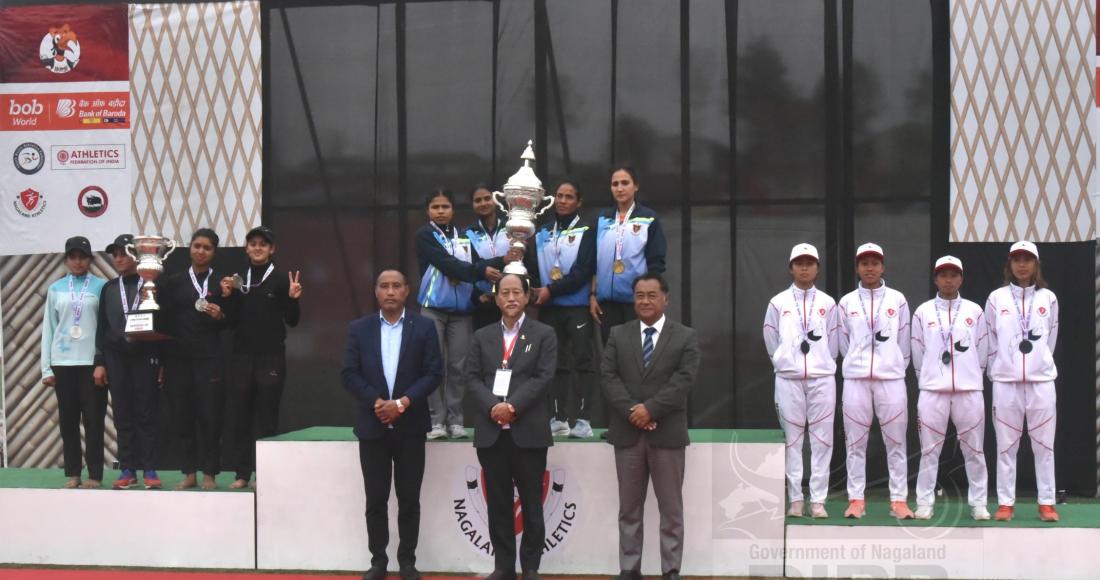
x=295 y=285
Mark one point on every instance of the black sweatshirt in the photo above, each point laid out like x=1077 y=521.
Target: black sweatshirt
x=261 y=316
x=110 y=334
x=195 y=333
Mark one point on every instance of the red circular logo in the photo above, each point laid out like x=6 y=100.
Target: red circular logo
x=62 y=156
x=92 y=201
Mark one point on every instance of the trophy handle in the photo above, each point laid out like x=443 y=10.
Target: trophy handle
x=126 y=249
x=548 y=198
x=171 y=248
x=497 y=199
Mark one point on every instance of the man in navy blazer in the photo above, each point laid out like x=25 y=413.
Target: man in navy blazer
x=391 y=364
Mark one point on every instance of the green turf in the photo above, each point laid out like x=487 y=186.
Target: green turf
x=954 y=512
x=14 y=477
x=697 y=436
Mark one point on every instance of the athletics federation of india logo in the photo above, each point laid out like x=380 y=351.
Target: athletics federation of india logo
x=560 y=503
x=59 y=50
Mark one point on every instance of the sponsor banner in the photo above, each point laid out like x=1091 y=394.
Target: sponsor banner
x=65 y=111
x=64 y=126
x=64 y=43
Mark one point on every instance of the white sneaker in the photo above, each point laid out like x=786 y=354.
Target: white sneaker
x=817 y=511
x=559 y=428
x=924 y=512
x=437 y=432
x=456 y=431
x=581 y=430
x=979 y=513
x=796 y=509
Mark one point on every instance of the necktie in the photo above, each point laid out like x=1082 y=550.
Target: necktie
x=647 y=346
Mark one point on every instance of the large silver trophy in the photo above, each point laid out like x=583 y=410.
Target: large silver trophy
x=523 y=195
x=150 y=253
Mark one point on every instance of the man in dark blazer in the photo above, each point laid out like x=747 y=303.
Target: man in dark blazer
x=391 y=364
x=649 y=366
x=509 y=368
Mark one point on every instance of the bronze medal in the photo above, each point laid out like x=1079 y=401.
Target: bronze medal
x=619 y=267
x=453 y=281
x=1026 y=346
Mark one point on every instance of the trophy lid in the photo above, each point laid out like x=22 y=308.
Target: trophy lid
x=525 y=177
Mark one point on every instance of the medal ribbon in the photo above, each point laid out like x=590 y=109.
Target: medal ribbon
x=948 y=338
x=872 y=322
x=203 y=290
x=248 y=278
x=78 y=303
x=805 y=321
x=554 y=236
x=126 y=308
x=620 y=231
x=508 y=351
x=1025 y=321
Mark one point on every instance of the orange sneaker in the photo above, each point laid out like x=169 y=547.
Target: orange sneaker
x=1047 y=513
x=1004 y=513
x=856 y=509
x=900 y=510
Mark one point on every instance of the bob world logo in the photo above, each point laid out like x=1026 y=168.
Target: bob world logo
x=560 y=503
x=59 y=50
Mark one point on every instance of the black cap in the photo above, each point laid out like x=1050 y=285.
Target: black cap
x=261 y=231
x=78 y=243
x=120 y=243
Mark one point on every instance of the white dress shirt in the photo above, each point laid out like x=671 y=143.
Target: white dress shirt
x=660 y=324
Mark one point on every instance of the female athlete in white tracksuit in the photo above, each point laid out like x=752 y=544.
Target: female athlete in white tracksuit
x=949 y=356
x=1022 y=317
x=874 y=341
x=800 y=332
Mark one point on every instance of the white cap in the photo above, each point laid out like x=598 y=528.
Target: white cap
x=1024 y=247
x=948 y=262
x=803 y=249
x=870 y=248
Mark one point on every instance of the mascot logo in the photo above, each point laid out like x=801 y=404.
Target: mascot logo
x=59 y=51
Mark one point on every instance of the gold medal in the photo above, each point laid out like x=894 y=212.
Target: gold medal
x=453 y=281
x=619 y=267
x=555 y=273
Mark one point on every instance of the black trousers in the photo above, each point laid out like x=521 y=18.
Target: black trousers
x=576 y=352
x=132 y=379
x=401 y=459
x=258 y=381
x=506 y=465
x=78 y=399
x=198 y=401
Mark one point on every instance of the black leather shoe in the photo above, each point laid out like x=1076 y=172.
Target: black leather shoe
x=501 y=575
x=375 y=573
x=531 y=575
x=629 y=575
x=671 y=575
x=409 y=572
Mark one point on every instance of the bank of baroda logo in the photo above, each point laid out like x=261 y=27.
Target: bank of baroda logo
x=560 y=502
x=59 y=50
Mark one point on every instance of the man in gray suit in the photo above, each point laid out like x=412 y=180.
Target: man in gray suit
x=649 y=365
x=509 y=368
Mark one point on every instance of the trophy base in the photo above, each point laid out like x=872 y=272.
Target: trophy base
x=144 y=326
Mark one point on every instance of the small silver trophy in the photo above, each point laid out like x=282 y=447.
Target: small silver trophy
x=150 y=253
x=523 y=195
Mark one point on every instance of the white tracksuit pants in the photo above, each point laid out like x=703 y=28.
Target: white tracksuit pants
x=807 y=405
x=1012 y=404
x=863 y=400
x=966 y=409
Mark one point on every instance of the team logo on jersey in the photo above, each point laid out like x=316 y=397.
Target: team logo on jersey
x=59 y=50
x=1004 y=311
x=853 y=314
x=569 y=240
x=970 y=322
x=786 y=312
x=1042 y=311
x=891 y=312
x=821 y=311
x=932 y=324
x=637 y=228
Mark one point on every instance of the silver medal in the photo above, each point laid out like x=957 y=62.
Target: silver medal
x=200 y=304
x=76 y=332
x=238 y=282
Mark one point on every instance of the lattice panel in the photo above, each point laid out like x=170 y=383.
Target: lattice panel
x=1022 y=91
x=33 y=436
x=195 y=82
